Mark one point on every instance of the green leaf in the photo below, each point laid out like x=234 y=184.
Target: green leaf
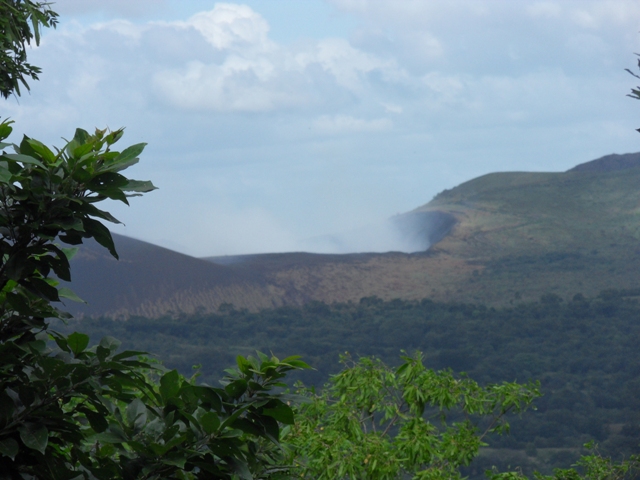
x=79 y=151
x=26 y=159
x=70 y=252
x=5 y=129
x=136 y=413
x=139 y=186
x=67 y=293
x=174 y=460
x=40 y=287
x=229 y=420
x=114 y=136
x=241 y=469
x=110 y=343
x=120 y=166
x=169 y=385
x=106 y=180
x=93 y=211
x=210 y=422
x=5 y=174
x=9 y=448
x=243 y=365
x=78 y=342
x=113 y=435
x=101 y=234
x=97 y=421
x=236 y=388
x=42 y=150
x=81 y=136
x=128 y=154
x=34 y=436
x=132 y=353
x=282 y=413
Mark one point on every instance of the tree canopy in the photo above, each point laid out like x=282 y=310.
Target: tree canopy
x=21 y=22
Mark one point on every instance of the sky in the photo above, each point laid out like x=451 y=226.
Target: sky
x=272 y=122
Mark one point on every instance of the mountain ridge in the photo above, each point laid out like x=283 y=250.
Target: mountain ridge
x=499 y=238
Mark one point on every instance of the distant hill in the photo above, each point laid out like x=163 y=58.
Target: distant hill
x=499 y=238
x=609 y=163
x=152 y=281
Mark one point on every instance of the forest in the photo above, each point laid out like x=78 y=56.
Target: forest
x=582 y=350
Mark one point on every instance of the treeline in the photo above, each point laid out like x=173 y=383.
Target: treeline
x=584 y=351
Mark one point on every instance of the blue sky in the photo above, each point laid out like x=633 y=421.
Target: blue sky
x=272 y=121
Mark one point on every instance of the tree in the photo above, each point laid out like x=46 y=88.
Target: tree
x=592 y=466
x=96 y=411
x=20 y=24
x=375 y=422
x=93 y=412
x=635 y=92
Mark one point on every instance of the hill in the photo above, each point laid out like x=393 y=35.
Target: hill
x=152 y=281
x=498 y=238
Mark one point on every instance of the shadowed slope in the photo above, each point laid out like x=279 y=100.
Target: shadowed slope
x=152 y=281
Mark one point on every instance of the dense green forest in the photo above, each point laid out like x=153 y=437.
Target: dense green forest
x=583 y=350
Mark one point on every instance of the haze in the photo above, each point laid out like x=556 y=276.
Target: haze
x=273 y=122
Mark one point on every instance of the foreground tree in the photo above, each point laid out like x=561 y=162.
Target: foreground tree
x=375 y=422
x=20 y=24
x=79 y=412
x=592 y=466
x=97 y=412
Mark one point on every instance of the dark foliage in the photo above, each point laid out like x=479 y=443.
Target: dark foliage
x=584 y=352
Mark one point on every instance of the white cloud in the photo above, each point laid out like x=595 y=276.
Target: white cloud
x=598 y=13
x=584 y=18
x=220 y=60
x=335 y=131
x=586 y=44
x=347 y=64
x=544 y=10
x=127 y=8
x=120 y=27
x=392 y=108
x=344 y=124
x=236 y=85
x=232 y=26
x=448 y=86
x=588 y=14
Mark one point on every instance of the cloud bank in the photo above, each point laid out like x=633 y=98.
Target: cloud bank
x=333 y=132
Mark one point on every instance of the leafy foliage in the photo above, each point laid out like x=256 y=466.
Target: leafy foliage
x=20 y=24
x=592 y=466
x=583 y=351
x=44 y=196
x=374 y=422
x=93 y=411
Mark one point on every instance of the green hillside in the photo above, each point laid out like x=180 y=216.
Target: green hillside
x=501 y=238
x=531 y=233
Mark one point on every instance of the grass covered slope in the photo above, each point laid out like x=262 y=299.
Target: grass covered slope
x=527 y=234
